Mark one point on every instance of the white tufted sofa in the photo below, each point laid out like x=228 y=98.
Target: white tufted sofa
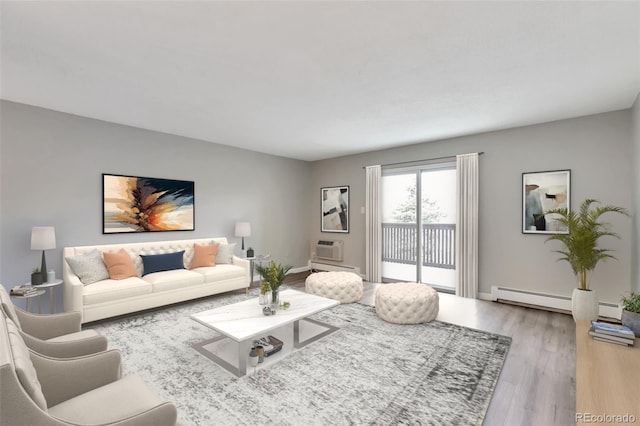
x=406 y=303
x=109 y=298
x=345 y=287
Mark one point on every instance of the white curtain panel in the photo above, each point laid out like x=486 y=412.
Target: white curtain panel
x=467 y=225
x=373 y=218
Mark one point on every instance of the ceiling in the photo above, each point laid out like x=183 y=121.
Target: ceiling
x=314 y=80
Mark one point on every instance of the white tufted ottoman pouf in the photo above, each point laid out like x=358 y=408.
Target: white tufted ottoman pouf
x=406 y=303
x=345 y=287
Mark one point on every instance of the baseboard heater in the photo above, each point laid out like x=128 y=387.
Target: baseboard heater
x=553 y=301
x=321 y=266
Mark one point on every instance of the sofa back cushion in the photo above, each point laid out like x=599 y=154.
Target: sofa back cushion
x=225 y=253
x=204 y=255
x=89 y=267
x=119 y=265
x=162 y=262
x=24 y=367
x=136 y=249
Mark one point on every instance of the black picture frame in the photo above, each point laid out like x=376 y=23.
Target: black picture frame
x=145 y=204
x=334 y=209
x=543 y=191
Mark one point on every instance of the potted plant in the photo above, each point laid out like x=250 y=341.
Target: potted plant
x=36 y=277
x=580 y=249
x=631 y=312
x=273 y=276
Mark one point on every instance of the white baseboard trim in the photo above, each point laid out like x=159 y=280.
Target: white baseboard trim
x=325 y=266
x=298 y=269
x=554 y=301
x=485 y=296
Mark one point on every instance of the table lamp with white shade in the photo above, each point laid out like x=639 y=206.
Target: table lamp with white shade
x=243 y=229
x=43 y=238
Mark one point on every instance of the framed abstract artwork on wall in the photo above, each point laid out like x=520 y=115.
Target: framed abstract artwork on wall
x=143 y=204
x=543 y=191
x=335 y=209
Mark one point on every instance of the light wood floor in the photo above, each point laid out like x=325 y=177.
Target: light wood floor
x=537 y=383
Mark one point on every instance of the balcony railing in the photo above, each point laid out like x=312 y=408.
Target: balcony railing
x=399 y=241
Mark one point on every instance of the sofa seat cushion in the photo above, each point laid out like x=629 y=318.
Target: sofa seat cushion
x=177 y=278
x=126 y=398
x=220 y=272
x=74 y=337
x=109 y=290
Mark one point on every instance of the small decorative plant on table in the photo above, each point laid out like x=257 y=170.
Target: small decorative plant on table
x=273 y=276
x=631 y=312
x=36 y=277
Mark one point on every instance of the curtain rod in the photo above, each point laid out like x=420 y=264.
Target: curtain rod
x=418 y=161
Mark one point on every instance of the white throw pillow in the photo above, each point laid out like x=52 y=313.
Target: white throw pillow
x=225 y=253
x=89 y=267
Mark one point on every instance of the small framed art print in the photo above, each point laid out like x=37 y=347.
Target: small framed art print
x=543 y=191
x=335 y=209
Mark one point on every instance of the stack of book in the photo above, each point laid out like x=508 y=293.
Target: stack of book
x=612 y=333
x=25 y=290
x=270 y=344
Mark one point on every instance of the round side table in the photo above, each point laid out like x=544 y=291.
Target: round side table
x=51 y=286
x=29 y=298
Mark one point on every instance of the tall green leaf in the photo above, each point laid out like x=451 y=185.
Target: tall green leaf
x=580 y=245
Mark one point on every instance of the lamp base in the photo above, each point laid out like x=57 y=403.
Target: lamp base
x=43 y=268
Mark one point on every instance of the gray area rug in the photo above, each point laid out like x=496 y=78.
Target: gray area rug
x=369 y=372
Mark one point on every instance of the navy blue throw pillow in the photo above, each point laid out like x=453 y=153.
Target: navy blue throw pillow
x=162 y=262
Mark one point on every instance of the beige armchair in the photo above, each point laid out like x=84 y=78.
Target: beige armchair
x=57 y=335
x=87 y=390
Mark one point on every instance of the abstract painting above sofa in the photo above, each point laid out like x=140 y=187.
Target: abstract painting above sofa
x=143 y=204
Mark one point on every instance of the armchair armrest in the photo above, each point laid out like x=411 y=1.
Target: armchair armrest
x=72 y=285
x=68 y=346
x=63 y=379
x=243 y=263
x=47 y=326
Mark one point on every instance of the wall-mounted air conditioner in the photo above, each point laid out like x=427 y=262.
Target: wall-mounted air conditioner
x=329 y=250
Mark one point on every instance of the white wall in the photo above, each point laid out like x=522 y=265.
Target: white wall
x=635 y=272
x=596 y=148
x=51 y=174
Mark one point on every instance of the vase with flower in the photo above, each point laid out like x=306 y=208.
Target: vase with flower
x=273 y=276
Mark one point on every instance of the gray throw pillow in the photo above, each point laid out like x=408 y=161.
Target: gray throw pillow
x=225 y=253
x=89 y=267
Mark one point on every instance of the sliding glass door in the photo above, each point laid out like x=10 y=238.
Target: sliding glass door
x=418 y=224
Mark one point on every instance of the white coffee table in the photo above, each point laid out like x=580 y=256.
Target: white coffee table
x=242 y=322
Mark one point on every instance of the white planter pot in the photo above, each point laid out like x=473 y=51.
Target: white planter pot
x=584 y=305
